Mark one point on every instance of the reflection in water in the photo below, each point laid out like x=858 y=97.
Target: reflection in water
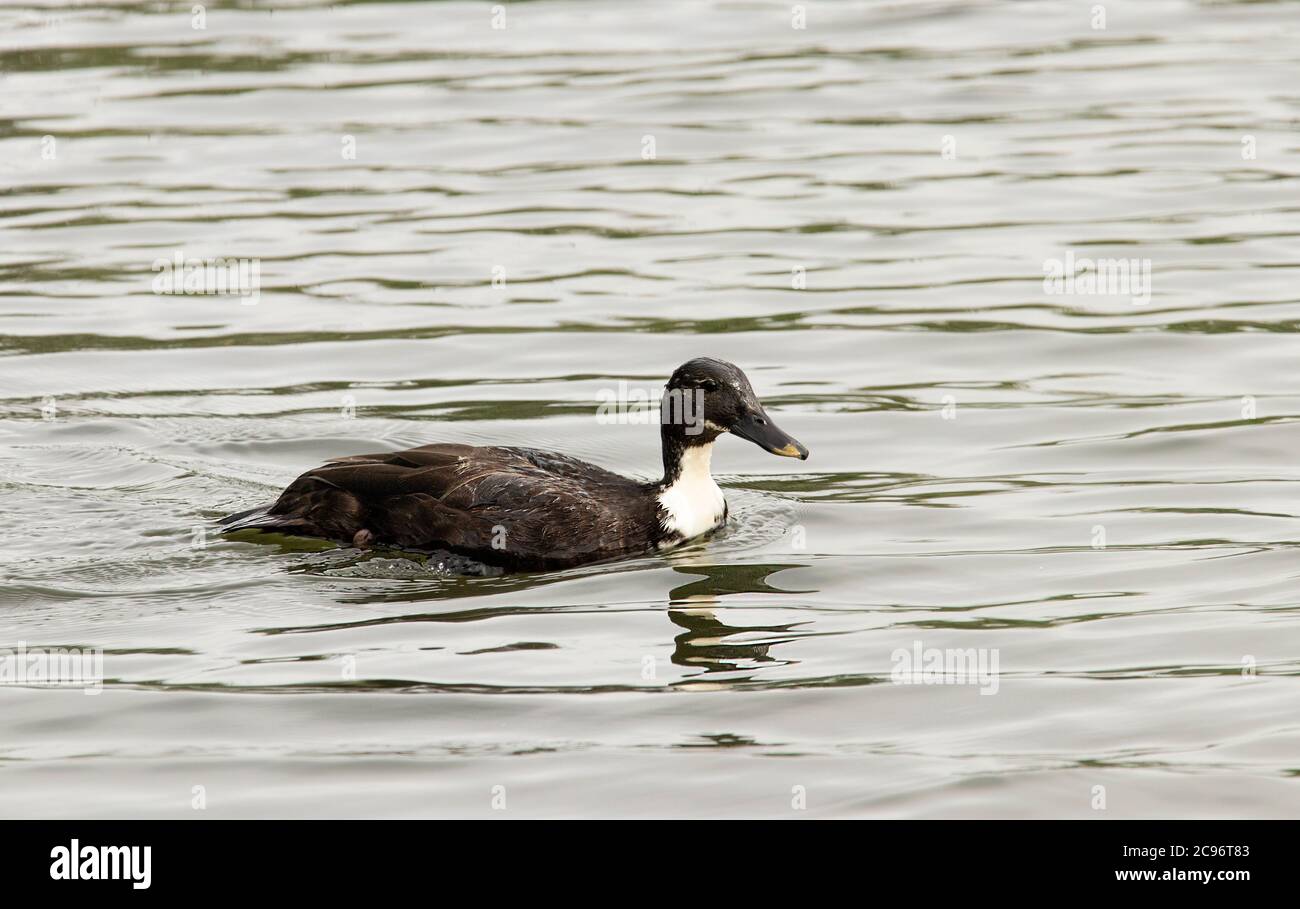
x=704 y=644
x=721 y=580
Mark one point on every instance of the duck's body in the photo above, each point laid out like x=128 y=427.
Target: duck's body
x=520 y=508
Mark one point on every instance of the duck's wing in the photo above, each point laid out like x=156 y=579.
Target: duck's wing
x=512 y=506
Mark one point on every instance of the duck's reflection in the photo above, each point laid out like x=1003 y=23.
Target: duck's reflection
x=707 y=644
x=710 y=644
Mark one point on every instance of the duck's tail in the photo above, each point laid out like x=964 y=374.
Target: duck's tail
x=311 y=507
x=258 y=518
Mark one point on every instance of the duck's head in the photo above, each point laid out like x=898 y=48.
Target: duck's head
x=707 y=397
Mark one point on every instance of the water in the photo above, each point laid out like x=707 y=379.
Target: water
x=1099 y=493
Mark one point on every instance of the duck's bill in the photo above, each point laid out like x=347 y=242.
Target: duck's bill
x=770 y=437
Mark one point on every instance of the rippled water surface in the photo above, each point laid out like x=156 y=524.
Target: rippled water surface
x=1102 y=494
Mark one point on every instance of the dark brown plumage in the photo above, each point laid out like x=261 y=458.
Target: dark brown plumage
x=518 y=508
x=525 y=509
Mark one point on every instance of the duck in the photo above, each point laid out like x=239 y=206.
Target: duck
x=524 y=509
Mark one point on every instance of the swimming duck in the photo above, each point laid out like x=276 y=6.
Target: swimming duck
x=522 y=509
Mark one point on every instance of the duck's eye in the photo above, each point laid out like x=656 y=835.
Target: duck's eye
x=708 y=385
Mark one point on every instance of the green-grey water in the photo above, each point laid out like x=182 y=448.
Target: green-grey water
x=469 y=233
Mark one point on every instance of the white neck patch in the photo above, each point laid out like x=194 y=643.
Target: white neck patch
x=693 y=504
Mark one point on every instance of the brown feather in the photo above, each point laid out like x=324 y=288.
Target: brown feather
x=518 y=508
